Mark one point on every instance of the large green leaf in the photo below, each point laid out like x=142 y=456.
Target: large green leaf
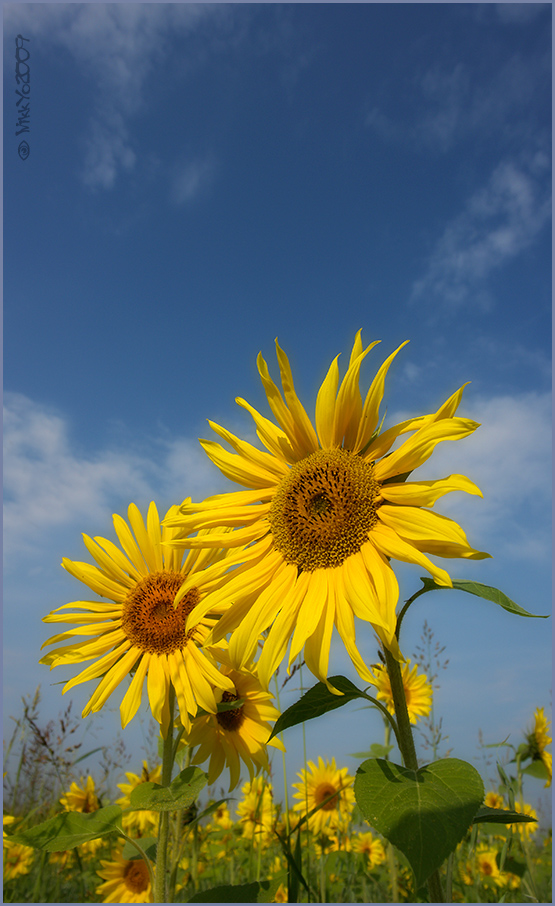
x=256 y=892
x=319 y=700
x=500 y=816
x=70 y=829
x=483 y=591
x=181 y=793
x=147 y=844
x=424 y=813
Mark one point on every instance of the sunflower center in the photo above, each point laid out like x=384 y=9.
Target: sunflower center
x=234 y=717
x=136 y=876
x=324 y=509
x=90 y=804
x=322 y=792
x=149 y=618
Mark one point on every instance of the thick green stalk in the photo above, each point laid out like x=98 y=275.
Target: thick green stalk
x=405 y=740
x=405 y=737
x=161 y=876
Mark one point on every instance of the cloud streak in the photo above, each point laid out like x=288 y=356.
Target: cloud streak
x=48 y=485
x=509 y=458
x=498 y=222
x=117 y=46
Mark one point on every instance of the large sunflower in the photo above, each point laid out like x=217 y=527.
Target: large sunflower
x=328 y=507
x=138 y=629
x=238 y=734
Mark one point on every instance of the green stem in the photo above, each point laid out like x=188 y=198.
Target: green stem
x=161 y=875
x=404 y=730
x=141 y=851
x=405 y=740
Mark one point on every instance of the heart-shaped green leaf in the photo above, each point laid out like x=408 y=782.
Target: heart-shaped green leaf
x=181 y=793
x=424 y=813
x=70 y=829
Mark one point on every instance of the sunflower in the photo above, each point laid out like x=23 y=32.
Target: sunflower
x=238 y=734
x=221 y=818
x=126 y=880
x=494 y=800
x=139 y=630
x=371 y=847
x=486 y=860
x=256 y=810
x=326 y=509
x=525 y=829
x=418 y=690
x=81 y=798
x=143 y=822
x=329 y=785
x=537 y=741
x=18 y=858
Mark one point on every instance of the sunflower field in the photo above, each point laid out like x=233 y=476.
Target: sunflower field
x=250 y=848
x=199 y=610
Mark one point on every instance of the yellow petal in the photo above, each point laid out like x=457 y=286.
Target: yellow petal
x=237 y=468
x=425 y=493
x=265 y=461
x=317 y=646
x=275 y=646
x=390 y=544
x=129 y=544
x=132 y=698
x=325 y=405
x=111 y=680
x=415 y=524
x=345 y=623
x=143 y=538
x=158 y=684
x=155 y=534
x=307 y=441
x=370 y=411
x=310 y=611
x=418 y=448
x=348 y=409
x=243 y=643
x=98 y=668
x=273 y=439
x=276 y=403
x=96 y=580
x=107 y=564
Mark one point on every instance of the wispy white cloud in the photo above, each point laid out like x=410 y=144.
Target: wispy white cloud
x=518 y=13
x=191 y=178
x=49 y=485
x=455 y=104
x=509 y=457
x=498 y=222
x=117 y=46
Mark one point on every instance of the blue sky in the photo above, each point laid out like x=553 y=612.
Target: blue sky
x=204 y=178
